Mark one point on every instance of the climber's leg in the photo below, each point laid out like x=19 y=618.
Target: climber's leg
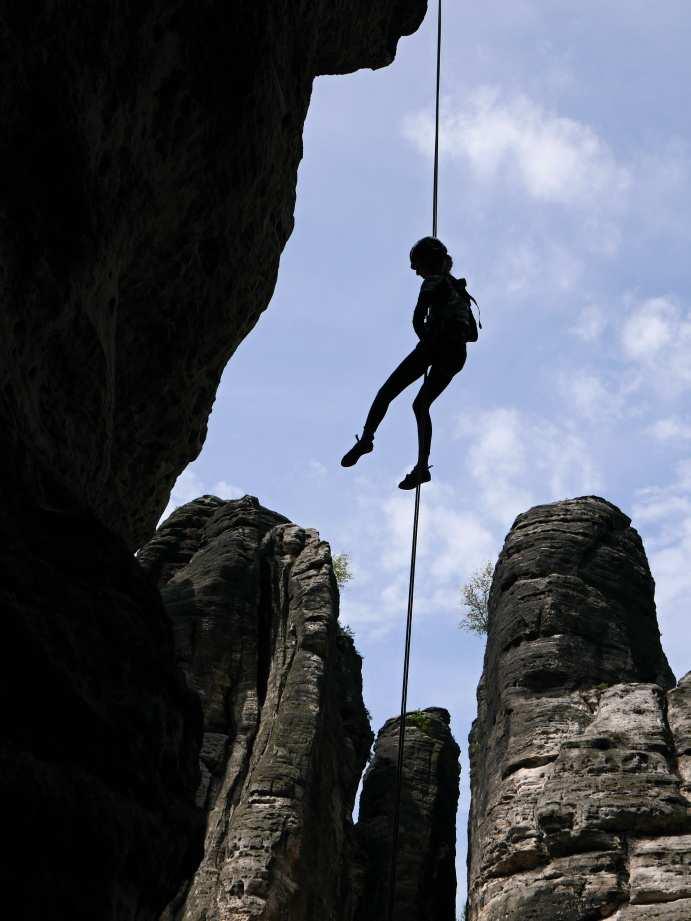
x=437 y=382
x=440 y=375
x=410 y=369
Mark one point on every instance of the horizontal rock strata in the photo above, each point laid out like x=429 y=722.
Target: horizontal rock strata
x=426 y=871
x=580 y=751
x=254 y=604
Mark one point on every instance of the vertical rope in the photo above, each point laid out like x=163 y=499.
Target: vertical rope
x=435 y=188
x=413 y=553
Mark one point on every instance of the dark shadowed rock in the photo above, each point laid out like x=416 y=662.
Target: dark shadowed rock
x=100 y=734
x=580 y=805
x=150 y=153
x=426 y=872
x=254 y=604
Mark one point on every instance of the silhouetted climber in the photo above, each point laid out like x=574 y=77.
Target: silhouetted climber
x=444 y=323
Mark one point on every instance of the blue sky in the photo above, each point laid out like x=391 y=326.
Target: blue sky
x=565 y=200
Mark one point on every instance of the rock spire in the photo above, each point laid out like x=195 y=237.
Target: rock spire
x=580 y=750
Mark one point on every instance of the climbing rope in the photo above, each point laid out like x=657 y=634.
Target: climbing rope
x=413 y=554
x=435 y=185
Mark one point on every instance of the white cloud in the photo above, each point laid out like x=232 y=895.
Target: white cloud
x=525 y=267
x=670 y=429
x=513 y=461
x=649 y=328
x=189 y=486
x=662 y=189
x=462 y=542
x=550 y=157
x=451 y=538
x=655 y=337
x=225 y=490
x=590 y=395
x=524 y=160
x=663 y=516
x=643 y=364
x=518 y=460
x=520 y=266
x=453 y=541
x=590 y=324
x=317 y=469
x=497 y=461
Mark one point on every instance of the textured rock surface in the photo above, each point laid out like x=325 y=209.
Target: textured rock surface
x=100 y=734
x=150 y=153
x=149 y=157
x=254 y=603
x=580 y=751
x=426 y=872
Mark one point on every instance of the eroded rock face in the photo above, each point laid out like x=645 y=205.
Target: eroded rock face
x=426 y=872
x=580 y=751
x=150 y=153
x=149 y=157
x=254 y=604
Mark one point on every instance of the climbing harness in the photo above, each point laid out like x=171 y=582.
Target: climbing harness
x=413 y=554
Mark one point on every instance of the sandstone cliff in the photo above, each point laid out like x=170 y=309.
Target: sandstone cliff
x=149 y=158
x=581 y=750
x=150 y=154
x=426 y=869
x=254 y=604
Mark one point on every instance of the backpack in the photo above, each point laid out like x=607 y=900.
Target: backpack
x=468 y=317
x=449 y=314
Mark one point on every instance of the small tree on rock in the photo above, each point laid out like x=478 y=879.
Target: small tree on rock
x=475 y=599
x=341 y=564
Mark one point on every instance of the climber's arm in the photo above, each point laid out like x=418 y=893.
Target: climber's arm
x=420 y=313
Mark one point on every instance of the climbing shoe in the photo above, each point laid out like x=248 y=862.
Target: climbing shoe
x=417 y=476
x=362 y=446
